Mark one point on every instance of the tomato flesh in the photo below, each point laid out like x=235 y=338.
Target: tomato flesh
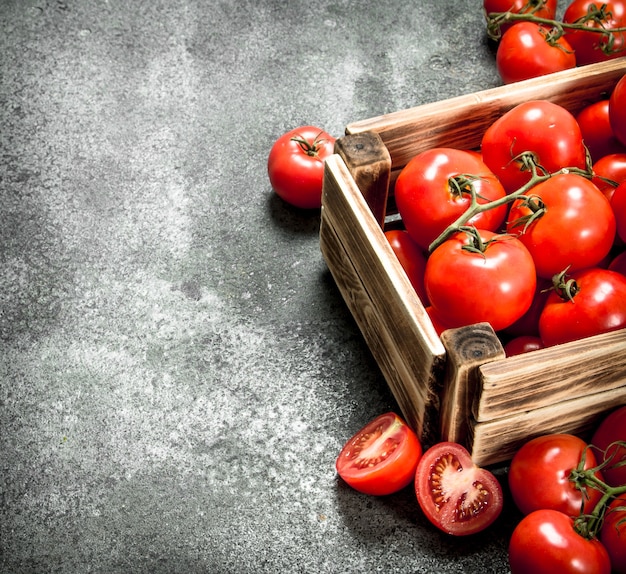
x=456 y=496
x=381 y=458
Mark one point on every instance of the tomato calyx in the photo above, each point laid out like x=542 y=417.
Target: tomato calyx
x=594 y=21
x=310 y=148
x=566 y=287
x=589 y=525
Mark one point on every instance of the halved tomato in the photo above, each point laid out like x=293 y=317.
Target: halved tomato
x=457 y=496
x=381 y=458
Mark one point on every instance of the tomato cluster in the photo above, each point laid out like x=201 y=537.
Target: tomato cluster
x=531 y=42
x=573 y=498
x=572 y=494
x=527 y=234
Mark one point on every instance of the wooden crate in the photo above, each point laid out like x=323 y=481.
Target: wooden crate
x=459 y=386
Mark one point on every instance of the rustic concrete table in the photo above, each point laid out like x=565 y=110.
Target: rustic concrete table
x=178 y=370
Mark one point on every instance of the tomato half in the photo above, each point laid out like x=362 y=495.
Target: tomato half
x=597 y=305
x=546 y=130
x=480 y=276
x=457 y=496
x=381 y=458
x=612 y=429
x=432 y=191
x=613 y=534
x=539 y=475
x=528 y=50
x=411 y=258
x=575 y=229
x=545 y=542
x=617 y=110
x=295 y=165
x=598 y=135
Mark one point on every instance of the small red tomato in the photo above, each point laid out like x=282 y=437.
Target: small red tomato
x=617 y=110
x=587 y=303
x=412 y=259
x=528 y=50
x=597 y=131
x=539 y=8
x=296 y=165
x=480 y=276
x=539 y=475
x=565 y=222
x=457 y=496
x=381 y=458
x=609 y=171
x=545 y=542
x=611 y=430
x=522 y=344
x=613 y=534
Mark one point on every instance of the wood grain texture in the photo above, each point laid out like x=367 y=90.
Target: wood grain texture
x=497 y=441
x=461 y=121
x=467 y=348
x=369 y=163
x=381 y=299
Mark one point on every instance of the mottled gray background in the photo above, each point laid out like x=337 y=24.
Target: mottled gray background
x=177 y=368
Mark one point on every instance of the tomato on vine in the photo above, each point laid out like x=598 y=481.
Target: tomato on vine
x=538 y=131
x=479 y=276
x=597 y=132
x=528 y=50
x=538 y=8
x=613 y=534
x=609 y=171
x=296 y=165
x=546 y=542
x=605 y=441
x=565 y=222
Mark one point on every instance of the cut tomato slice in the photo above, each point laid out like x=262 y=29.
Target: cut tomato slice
x=457 y=496
x=381 y=458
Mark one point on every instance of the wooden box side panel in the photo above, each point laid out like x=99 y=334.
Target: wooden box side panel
x=577 y=369
x=461 y=121
x=497 y=441
x=381 y=299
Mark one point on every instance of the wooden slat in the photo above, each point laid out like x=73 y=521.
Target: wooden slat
x=548 y=376
x=460 y=122
x=497 y=441
x=389 y=314
x=467 y=348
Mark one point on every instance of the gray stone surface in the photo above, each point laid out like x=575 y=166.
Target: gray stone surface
x=178 y=370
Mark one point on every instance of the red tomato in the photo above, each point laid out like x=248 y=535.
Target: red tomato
x=618 y=204
x=431 y=192
x=381 y=458
x=613 y=534
x=611 y=167
x=528 y=323
x=296 y=165
x=545 y=542
x=412 y=259
x=522 y=344
x=457 y=496
x=469 y=281
x=618 y=263
x=597 y=131
x=436 y=320
x=528 y=50
x=547 y=130
x=591 y=47
x=539 y=475
x=539 y=8
x=598 y=305
x=617 y=110
x=610 y=430
x=576 y=228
